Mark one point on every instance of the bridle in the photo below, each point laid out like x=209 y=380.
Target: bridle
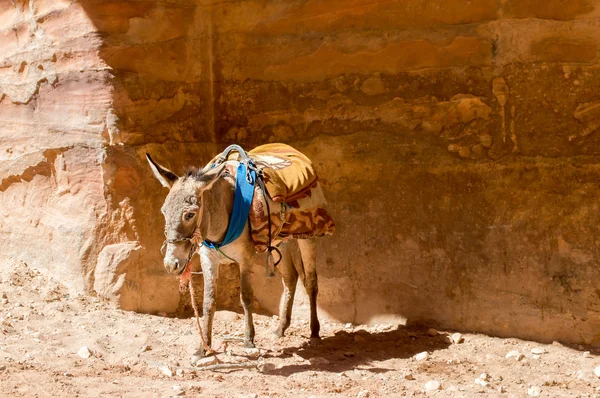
x=192 y=249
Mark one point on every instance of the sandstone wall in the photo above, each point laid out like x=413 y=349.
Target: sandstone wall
x=456 y=142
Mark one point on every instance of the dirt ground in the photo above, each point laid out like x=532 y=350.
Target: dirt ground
x=43 y=330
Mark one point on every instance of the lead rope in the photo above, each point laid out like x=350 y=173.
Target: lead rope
x=193 y=296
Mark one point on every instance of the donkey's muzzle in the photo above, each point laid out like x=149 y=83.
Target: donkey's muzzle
x=175 y=266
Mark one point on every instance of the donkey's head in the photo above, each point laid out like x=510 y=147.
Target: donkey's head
x=185 y=211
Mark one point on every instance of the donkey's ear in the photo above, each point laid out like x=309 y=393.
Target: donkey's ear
x=210 y=175
x=213 y=173
x=164 y=175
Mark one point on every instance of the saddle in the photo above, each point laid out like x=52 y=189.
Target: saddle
x=288 y=174
x=296 y=207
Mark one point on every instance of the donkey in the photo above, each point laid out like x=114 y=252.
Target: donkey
x=199 y=205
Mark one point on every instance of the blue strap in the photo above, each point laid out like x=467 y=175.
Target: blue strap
x=244 y=191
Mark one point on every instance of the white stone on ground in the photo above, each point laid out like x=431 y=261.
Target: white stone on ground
x=457 y=338
x=515 y=354
x=422 y=356
x=316 y=361
x=597 y=371
x=206 y=361
x=534 y=391
x=538 y=351
x=252 y=352
x=433 y=385
x=166 y=371
x=84 y=352
x=480 y=382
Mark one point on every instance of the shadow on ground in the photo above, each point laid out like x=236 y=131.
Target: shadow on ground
x=359 y=349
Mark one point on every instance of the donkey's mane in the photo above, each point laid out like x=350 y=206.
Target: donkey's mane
x=195 y=173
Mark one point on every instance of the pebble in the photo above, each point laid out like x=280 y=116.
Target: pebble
x=364 y=394
x=597 y=371
x=587 y=354
x=166 y=371
x=433 y=385
x=409 y=376
x=538 y=351
x=252 y=352
x=432 y=332
x=501 y=389
x=422 y=356
x=266 y=367
x=298 y=358
x=206 y=361
x=84 y=352
x=480 y=382
x=67 y=374
x=534 y=391
x=348 y=326
x=515 y=354
x=457 y=338
x=484 y=376
x=316 y=361
x=146 y=348
x=3 y=367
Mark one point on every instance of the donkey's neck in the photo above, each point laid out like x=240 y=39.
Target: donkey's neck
x=220 y=205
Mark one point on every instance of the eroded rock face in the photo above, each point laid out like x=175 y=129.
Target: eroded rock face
x=456 y=142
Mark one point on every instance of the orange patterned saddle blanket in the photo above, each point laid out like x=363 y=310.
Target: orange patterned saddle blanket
x=296 y=202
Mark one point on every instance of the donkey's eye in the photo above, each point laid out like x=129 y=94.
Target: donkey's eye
x=189 y=216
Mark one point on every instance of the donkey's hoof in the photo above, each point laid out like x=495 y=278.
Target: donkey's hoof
x=198 y=355
x=315 y=341
x=249 y=344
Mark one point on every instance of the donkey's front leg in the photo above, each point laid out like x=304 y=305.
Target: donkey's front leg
x=210 y=271
x=247 y=297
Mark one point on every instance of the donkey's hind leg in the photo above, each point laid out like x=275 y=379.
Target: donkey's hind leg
x=309 y=259
x=247 y=297
x=289 y=276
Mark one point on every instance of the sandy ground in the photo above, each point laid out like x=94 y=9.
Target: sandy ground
x=43 y=330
